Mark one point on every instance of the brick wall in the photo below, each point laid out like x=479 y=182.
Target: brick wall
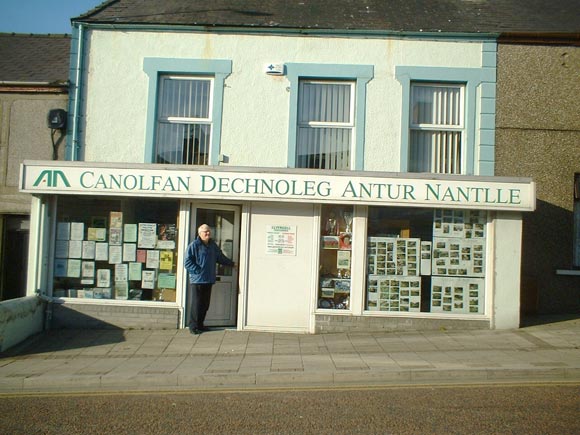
x=96 y=316
x=328 y=324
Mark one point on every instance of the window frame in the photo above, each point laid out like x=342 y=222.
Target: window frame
x=479 y=112
x=155 y=68
x=442 y=128
x=359 y=74
x=350 y=126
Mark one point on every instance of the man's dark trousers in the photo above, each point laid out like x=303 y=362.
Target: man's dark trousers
x=199 y=298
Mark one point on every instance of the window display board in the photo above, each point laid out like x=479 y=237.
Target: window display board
x=114 y=256
x=465 y=224
x=335 y=257
x=463 y=257
x=393 y=256
x=457 y=295
x=394 y=293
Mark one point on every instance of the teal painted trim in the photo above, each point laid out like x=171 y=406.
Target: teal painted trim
x=362 y=74
x=154 y=67
x=488 y=108
x=471 y=77
x=459 y=36
x=76 y=66
x=74 y=46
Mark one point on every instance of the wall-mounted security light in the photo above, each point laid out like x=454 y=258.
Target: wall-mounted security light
x=274 y=69
x=57 y=119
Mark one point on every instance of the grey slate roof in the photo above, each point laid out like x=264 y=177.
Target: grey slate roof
x=28 y=58
x=448 y=16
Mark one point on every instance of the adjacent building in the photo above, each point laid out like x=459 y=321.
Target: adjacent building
x=33 y=81
x=345 y=160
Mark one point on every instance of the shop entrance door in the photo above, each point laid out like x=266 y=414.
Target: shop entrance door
x=224 y=222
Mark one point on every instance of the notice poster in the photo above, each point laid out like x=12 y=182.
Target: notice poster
x=130 y=233
x=77 y=231
x=88 y=270
x=115 y=254
x=116 y=219
x=75 y=249
x=141 y=256
x=89 y=250
x=167 y=280
x=103 y=278
x=135 y=271
x=147 y=237
x=60 y=267
x=166 y=260
x=63 y=231
x=343 y=260
x=148 y=279
x=121 y=290
x=73 y=269
x=129 y=252
x=61 y=249
x=281 y=239
x=97 y=234
x=121 y=271
x=115 y=236
x=101 y=251
x=152 y=260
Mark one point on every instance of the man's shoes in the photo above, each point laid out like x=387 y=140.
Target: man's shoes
x=195 y=331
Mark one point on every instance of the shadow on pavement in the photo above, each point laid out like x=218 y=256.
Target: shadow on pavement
x=546 y=319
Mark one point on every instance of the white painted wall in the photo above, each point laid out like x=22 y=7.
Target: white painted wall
x=506 y=265
x=256 y=106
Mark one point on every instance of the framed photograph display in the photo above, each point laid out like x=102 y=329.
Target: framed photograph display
x=393 y=293
x=457 y=295
x=394 y=256
x=467 y=224
x=458 y=257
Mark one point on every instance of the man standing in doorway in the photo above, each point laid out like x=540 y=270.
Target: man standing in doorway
x=200 y=262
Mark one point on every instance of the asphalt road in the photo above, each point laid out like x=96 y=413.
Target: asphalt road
x=482 y=409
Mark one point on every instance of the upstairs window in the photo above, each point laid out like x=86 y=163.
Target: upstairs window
x=325 y=124
x=184 y=121
x=436 y=137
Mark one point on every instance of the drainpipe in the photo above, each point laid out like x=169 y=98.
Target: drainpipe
x=77 y=108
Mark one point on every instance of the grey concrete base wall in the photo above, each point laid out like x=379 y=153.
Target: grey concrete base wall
x=329 y=324
x=19 y=319
x=93 y=316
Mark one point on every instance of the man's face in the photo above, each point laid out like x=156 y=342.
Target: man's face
x=204 y=234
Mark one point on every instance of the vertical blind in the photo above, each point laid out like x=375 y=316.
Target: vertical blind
x=184 y=123
x=436 y=136
x=325 y=125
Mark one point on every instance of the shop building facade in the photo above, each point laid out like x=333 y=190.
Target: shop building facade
x=349 y=173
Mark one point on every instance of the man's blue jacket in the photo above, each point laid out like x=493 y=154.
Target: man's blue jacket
x=200 y=261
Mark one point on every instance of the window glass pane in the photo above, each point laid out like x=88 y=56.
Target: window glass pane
x=321 y=102
x=426 y=260
x=324 y=148
x=184 y=98
x=435 y=151
x=116 y=249
x=186 y=144
x=436 y=105
x=335 y=257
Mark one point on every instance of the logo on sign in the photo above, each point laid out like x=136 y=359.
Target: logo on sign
x=51 y=178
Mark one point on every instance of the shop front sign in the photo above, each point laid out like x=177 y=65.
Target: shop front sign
x=289 y=185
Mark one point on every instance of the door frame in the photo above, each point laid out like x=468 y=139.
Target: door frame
x=188 y=214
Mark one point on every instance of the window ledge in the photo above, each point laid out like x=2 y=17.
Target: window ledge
x=569 y=272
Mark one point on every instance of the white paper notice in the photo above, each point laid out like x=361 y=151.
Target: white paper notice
x=103 y=278
x=115 y=254
x=152 y=260
x=130 y=233
x=147 y=235
x=135 y=271
x=281 y=239
x=77 y=231
x=102 y=252
x=129 y=252
x=121 y=272
x=148 y=279
x=75 y=249
x=89 y=250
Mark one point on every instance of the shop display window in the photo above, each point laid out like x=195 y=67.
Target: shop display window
x=124 y=249
x=425 y=260
x=335 y=257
